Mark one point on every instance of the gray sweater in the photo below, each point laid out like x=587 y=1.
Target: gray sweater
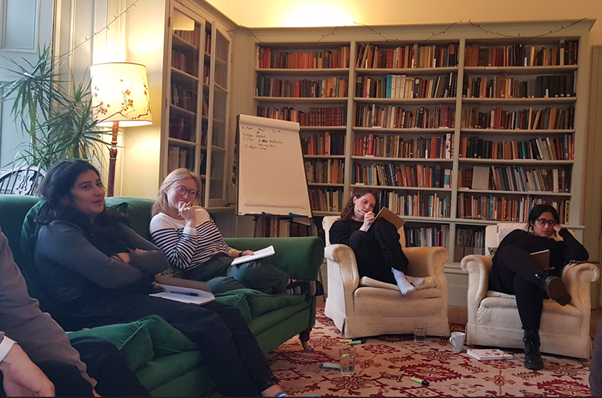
x=21 y=319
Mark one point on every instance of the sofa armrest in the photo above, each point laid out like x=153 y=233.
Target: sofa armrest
x=478 y=268
x=343 y=276
x=299 y=257
x=578 y=279
x=428 y=261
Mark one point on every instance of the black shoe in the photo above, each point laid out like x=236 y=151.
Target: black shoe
x=554 y=287
x=307 y=287
x=533 y=358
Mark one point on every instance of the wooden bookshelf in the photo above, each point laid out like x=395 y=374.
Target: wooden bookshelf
x=514 y=105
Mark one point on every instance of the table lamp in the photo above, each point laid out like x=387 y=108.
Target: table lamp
x=120 y=97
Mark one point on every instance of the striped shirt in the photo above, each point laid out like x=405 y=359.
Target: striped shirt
x=186 y=247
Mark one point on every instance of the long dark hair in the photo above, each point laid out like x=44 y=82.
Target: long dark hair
x=538 y=210
x=105 y=233
x=347 y=212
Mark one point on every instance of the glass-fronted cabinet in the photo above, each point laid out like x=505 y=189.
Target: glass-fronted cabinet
x=195 y=119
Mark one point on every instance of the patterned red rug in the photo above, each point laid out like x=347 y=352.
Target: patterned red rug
x=385 y=365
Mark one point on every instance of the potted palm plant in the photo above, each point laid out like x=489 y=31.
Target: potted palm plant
x=55 y=114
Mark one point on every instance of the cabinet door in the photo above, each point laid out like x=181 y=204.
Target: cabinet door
x=187 y=113
x=219 y=89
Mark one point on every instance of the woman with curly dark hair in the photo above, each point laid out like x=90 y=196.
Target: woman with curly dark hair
x=375 y=243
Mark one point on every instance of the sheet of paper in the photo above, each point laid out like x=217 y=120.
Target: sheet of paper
x=268 y=251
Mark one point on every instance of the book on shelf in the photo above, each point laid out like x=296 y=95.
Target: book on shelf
x=183 y=290
x=480 y=177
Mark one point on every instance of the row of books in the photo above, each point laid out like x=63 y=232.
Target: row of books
x=178 y=157
x=546 y=86
x=560 y=147
x=326 y=199
x=183 y=97
x=193 y=37
x=499 y=208
x=403 y=86
x=394 y=146
x=323 y=144
x=328 y=171
x=274 y=226
x=185 y=61
x=427 y=236
x=316 y=117
x=304 y=88
x=323 y=59
x=408 y=56
x=181 y=129
x=515 y=178
x=468 y=241
x=419 y=204
x=529 y=119
x=401 y=175
x=564 y=53
x=392 y=116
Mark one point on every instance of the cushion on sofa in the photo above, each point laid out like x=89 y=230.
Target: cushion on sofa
x=137 y=210
x=132 y=339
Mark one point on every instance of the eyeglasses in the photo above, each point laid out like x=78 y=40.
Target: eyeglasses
x=543 y=221
x=182 y=191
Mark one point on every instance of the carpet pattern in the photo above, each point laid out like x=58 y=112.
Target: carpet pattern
x=385 y=365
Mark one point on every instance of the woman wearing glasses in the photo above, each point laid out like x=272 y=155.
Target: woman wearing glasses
x=195 y=247
x=514 y=271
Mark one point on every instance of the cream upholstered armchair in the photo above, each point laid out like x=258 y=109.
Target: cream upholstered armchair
x=493 y=316
x=368 y=307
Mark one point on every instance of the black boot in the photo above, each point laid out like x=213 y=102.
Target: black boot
x=554 y=287
x=533 y=359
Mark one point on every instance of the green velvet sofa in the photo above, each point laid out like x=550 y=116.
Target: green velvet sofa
x=167 y=362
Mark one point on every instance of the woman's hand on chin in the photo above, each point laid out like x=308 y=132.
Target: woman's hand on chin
x=186 y=211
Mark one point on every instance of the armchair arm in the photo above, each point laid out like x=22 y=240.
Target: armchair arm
x=478 y=268
x=343 y=277
x=428 y=261
x=578 y=279
x=299 y=257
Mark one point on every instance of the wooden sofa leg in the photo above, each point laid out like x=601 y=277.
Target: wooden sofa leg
x=304 y=337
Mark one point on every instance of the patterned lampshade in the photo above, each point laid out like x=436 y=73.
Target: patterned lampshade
x=120 y=94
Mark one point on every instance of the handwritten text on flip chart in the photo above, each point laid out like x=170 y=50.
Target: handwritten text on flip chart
x=260 y=138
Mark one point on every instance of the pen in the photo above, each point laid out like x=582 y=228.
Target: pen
x=345 y=340
x=355 y=342
x=420 y=381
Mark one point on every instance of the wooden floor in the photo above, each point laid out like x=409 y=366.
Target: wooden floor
x=459 y=315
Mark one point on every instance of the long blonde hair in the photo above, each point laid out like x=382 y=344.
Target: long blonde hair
x=173 y=179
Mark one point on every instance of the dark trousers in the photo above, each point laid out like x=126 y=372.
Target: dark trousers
x=513 y=273
x=378 y=250
x=104 y=363
x=222 y=276
x=229 y=349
